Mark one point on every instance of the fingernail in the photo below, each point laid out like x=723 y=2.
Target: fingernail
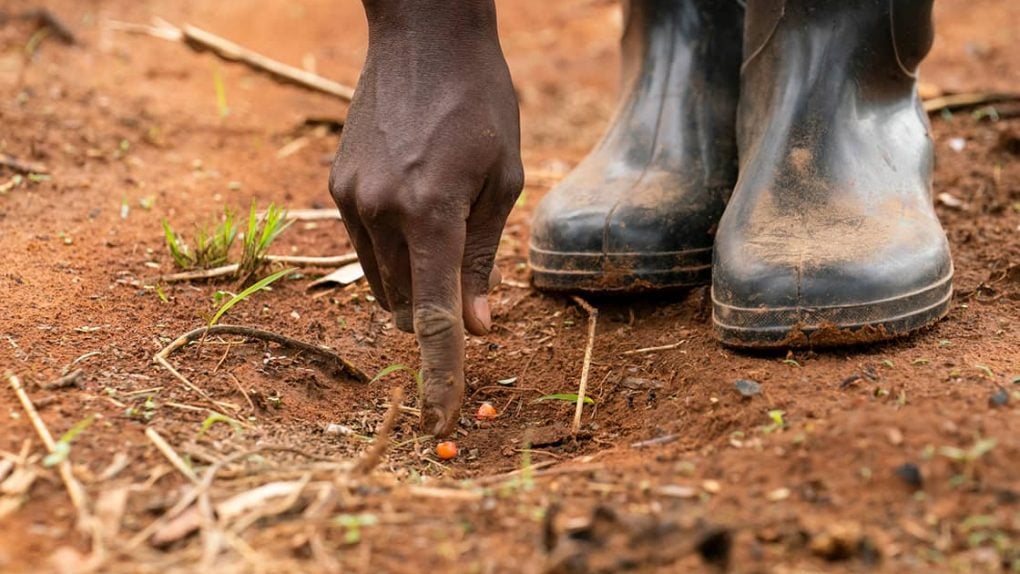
x=481 y=308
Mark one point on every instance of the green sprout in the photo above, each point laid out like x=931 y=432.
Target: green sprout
x=209 y=249
x=260 y=285
x=261 y=233
x=353 y=523
x=62 y=448
x=214 y=418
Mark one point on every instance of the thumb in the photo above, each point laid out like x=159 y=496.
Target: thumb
x=480 y=275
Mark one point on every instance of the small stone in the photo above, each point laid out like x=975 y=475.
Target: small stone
x=640 y=384
x=895 y=436
x=910 y=474
x=839 y=541
x=999 y=398
x=747 y=388
x=711 y=486
x=338 y=429
x=676 y=491
x=949 y=200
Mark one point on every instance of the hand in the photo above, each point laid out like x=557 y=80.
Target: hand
x=427 y=172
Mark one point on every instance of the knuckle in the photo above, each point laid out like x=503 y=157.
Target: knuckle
x=375 y=204
x=513 y=178
x=433 y=323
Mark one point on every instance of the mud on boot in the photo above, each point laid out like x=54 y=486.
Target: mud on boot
x=831 y=236
x=641 y=210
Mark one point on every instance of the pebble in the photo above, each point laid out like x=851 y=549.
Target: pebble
x=676 y=491
x=999 y=398
x=711 y=486
x=910 y=474
x=747 y=388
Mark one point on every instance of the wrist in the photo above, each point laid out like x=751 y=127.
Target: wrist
x=446 y=22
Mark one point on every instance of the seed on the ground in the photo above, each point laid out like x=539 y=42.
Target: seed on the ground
x=711 y=486
x=486 y=412
x=910 y=474
x=747 y=388
x=778 y=494
x=446 y=450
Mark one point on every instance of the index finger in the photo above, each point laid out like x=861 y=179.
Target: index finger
x=436 y=250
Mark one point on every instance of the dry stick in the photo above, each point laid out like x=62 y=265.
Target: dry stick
x=497 y=478
x=74 y=488
x=593 y=317
x=225 y=270
x=370 y=459
x=170 y=454
x=69 y=380
x=47 y=19
x=202 y=332
x=21 y=166
x=956 y=101
x=161 y=360
x=240 y=388
x=199 y=39
x=312 y=214
x=193 y=494
x=654 y=349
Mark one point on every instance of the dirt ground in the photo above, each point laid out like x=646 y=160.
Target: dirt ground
x=900 y=457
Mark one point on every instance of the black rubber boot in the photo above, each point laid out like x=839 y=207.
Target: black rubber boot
x=641 y=210
x=830 y=236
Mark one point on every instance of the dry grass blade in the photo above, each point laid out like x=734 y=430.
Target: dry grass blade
x=228 y=270
x=170 y=454
x=74 y=488
x=654 y=349
x=374 y=454
x=582 y=388
x=22 y=166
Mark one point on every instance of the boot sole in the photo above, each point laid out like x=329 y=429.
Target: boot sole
x=619 y=272
x=838 y=325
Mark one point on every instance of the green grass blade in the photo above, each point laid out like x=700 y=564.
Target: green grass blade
x=389 y=371
x=258 y=286
x=568 y=397
x=180 y=255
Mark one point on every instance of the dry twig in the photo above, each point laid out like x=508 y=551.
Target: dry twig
x=373 y=455
x=231 y=269
x=957 y=101
x=74 y=488
x=593 y=317
x=69 y=380
x=654 y=349
x=170 y=454
x=21 y=166
x=46 y=19
x=201 y=40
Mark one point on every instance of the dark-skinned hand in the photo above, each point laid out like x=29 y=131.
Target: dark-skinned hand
x=427 y=172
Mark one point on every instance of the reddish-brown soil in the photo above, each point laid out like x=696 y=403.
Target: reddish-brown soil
x=127 y=120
